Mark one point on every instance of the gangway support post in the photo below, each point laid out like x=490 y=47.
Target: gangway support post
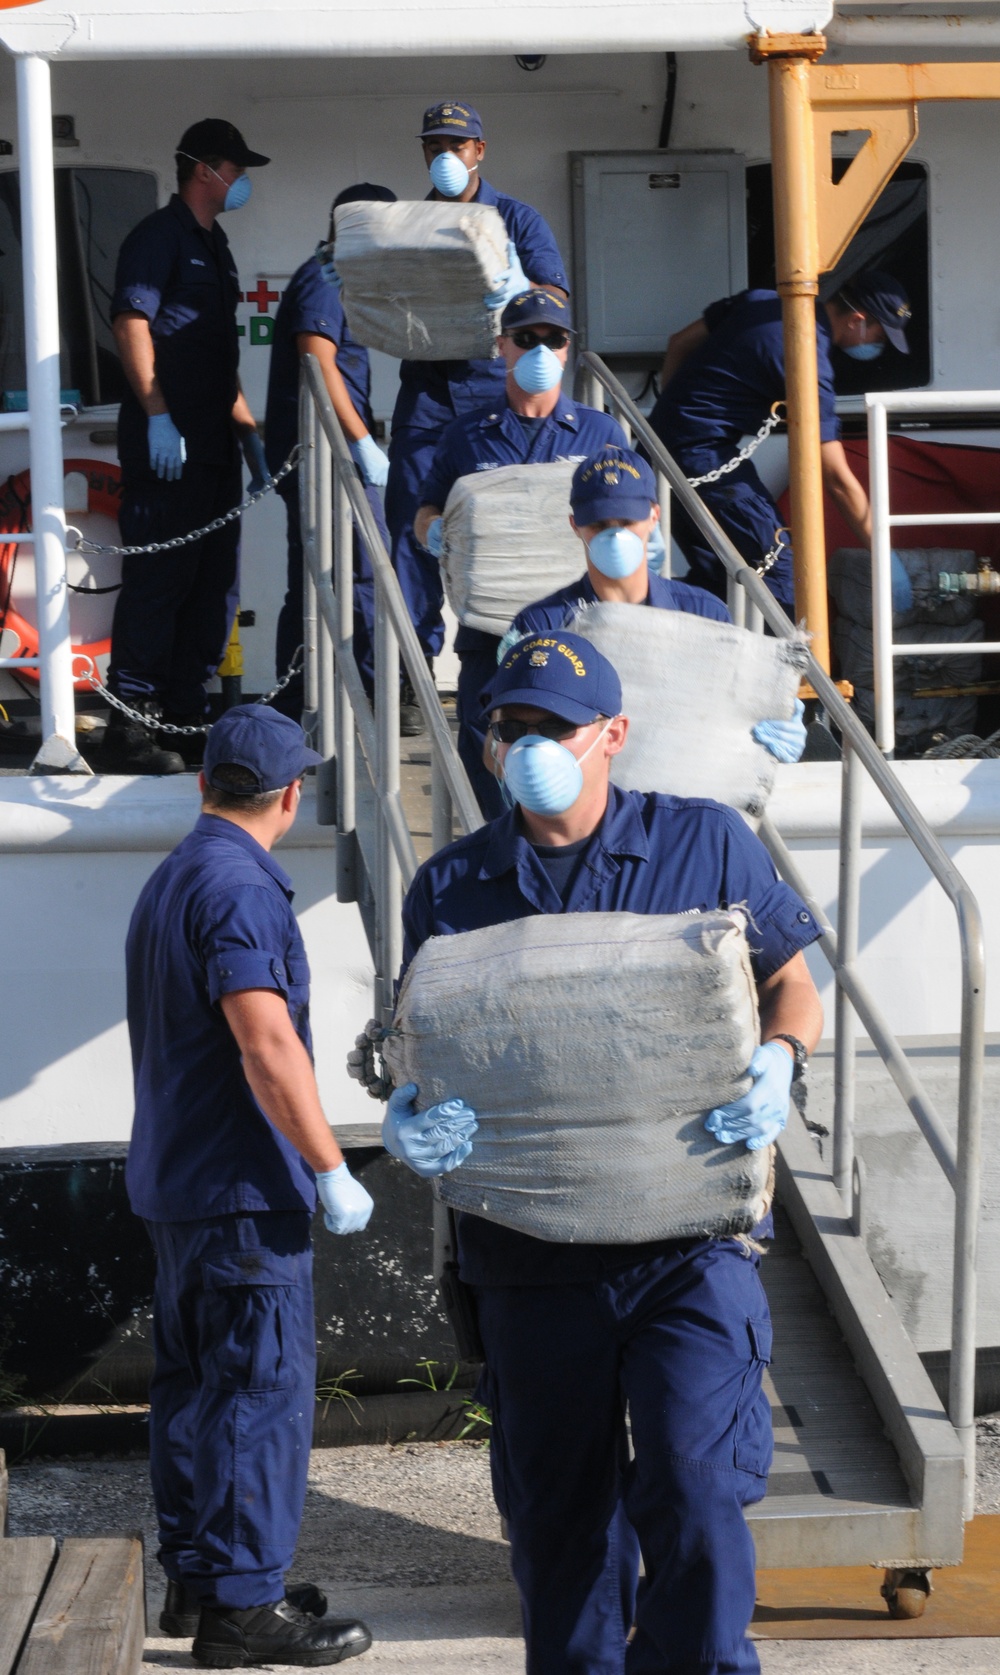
x=58 y=753
x=796 y=238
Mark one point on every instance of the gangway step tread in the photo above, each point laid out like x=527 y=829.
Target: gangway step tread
x=91 y=1618
x=25 y=1563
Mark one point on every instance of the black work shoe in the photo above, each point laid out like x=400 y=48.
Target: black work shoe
x=182 y=1607
x=269 y=1634
x=189 y=746
x=411 y=716
x=130 y=747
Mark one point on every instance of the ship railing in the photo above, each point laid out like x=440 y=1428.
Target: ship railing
x=751 y=603
x=880 y=404
x=332 y=502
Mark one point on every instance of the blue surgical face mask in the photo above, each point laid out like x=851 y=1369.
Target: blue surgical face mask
x=864 y=351
x=543 y=776
x=449 y=174
x=616 y=552
x=539 y=369
x=238 y=193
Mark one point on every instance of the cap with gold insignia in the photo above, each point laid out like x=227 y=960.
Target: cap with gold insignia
x=616 y=483
x=452 y=117
x=537 y=308
x=561 y=673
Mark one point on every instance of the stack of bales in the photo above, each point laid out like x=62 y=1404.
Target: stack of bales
x=933 y=619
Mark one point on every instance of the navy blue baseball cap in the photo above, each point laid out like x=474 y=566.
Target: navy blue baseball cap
x=877 y=294
x=214 y=137
x=537 y=308
x=561 y=673
x=451 y=117
x=363 y=193
x=616 y=483
x=269 y=745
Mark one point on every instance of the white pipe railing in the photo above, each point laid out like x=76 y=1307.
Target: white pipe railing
x=41 y=342
x=880 y=404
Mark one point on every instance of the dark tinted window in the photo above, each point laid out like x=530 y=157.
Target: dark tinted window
x=95 y=208
x=893 y=235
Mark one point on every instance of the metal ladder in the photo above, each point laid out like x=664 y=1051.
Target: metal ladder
x=869 y=1466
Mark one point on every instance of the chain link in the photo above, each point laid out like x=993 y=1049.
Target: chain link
x=82 y=545
x=771 y=557
x=773 y=419
x=155 y=726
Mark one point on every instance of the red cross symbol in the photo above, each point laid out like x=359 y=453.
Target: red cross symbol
x=262 y=296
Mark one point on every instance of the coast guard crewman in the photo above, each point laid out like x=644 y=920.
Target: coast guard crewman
x=676 y=1330
x=229 y=1149
x=432 y=393
x=531 y=423
x=182 y=423
x=310 y=321
x=615 y=513
x=721 y=375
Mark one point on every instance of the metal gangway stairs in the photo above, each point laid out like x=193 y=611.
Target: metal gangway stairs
x=870 y=1467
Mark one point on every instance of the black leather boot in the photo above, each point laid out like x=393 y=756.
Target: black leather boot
x=182 y=1607
x=274 y=1634
x=130 y=747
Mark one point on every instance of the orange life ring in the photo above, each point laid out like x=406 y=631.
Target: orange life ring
x=104 y=493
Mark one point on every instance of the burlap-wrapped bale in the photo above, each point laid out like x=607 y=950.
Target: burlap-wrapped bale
x=692 y=690
x=507 y=542
x=849 y=574
x=591 y=1046
x=414 y=276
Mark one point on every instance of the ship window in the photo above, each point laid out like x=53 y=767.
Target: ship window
x=893 y=235
x=95 y=209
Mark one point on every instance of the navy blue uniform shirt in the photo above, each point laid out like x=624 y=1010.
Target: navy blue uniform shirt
x=182 y=277
x=557 y=609
x=650 y=854
x=725 y=388
x=310 y=304
x=495 y=436
x=432 y=392
x=215 y=918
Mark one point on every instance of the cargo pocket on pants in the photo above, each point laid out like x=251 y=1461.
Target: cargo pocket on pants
x=754 y=1443
x=246 y=1333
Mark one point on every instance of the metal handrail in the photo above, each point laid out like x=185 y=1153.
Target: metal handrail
x=332 y=502
x=961 y=1164
x=879 y=404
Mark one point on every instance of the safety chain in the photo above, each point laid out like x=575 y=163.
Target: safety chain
x=82 y=545
x=168 y=726
x=772 y=556
x=361 y=1066
x=773 y=419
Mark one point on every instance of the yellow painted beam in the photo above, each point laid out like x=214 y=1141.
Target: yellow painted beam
x=841 y=208
x=866 y=85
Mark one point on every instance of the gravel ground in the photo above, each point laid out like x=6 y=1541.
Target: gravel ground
x=408 y=1538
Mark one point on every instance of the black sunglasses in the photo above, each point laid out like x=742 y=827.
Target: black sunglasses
x=508 y=732
x=528 y=339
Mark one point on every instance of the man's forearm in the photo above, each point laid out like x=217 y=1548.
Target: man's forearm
x=137 y=352
x=283 y=1083
x=845 y=491
x=325 y=351
x=242 y=415
x=789 y=1005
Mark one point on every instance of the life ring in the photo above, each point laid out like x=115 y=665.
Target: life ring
x=104 y=493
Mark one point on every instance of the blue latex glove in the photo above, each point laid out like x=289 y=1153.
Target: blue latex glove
x=761 y=1114
x=786 y=740
x=510 y=639
x=435 y=537
x=656 y=552
x=510 y=283
x=370 y=461
x=253 y=453
x=347 y=1207
x=431 y=1142
x=324 y=255
x=902 y=587
x=167 y=452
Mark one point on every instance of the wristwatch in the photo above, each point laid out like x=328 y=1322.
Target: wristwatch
x=799 y=1055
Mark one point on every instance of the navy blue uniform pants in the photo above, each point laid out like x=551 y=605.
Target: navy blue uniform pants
x=289 y=633
x=232 y=1399
x=411 y=452
x=475 y=670
x=175 y=610
x=680 y=1342
x=751 y=519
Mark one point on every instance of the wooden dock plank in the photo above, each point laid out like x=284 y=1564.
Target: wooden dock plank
x=25 y=1564
x=92 y=1618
